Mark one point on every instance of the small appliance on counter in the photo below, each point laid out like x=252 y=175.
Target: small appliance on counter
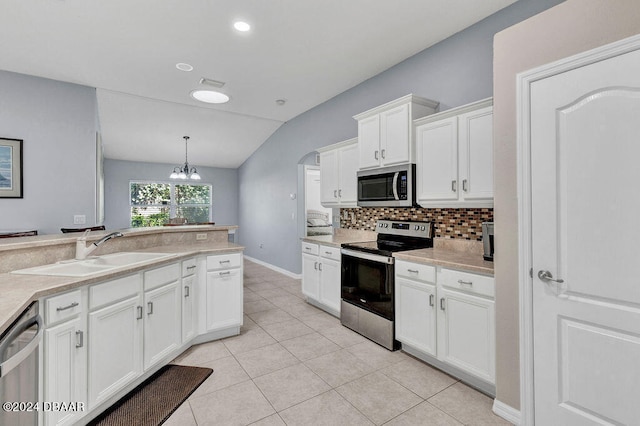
x=487 y=240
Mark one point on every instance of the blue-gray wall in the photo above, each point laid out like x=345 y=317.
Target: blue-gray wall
x=118 y=174
x=58 y=124
x=454 y=72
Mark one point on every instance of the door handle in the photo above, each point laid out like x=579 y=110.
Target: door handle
x=319 y=266
x=79 y=339
x=149 y=308
x=464 y=185
x=69 y=306
x=383 y=154
x=454 y=185
x=546 y=276
x=139 y=308
x=186 y=291
x=339 y=193
x=335 y=193
x=431 y=297
x=315 y=265
x=442 y=303
x=375 y=155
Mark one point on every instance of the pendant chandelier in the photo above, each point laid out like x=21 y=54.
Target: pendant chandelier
x=185 y=172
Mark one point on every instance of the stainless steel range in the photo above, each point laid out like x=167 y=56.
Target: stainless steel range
x=368 y=278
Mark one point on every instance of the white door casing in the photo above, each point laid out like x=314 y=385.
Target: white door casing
x=578 y=145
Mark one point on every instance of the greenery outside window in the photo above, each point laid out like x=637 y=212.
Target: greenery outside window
x=156 y=203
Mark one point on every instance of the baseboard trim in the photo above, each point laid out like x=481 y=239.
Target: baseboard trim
x=274 y=268
x=506 y=412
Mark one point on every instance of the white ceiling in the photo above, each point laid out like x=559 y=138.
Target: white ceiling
x=304 y=51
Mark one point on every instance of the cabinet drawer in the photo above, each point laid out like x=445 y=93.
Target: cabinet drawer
x=471 y=283
x=188 y=267
x=309 y=248
x=224 y=261
x=64 y=306
x=330 y=252
x=160 y=276
x=416 y=271
x=112 y=291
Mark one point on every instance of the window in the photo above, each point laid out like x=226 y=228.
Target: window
x=155 y=203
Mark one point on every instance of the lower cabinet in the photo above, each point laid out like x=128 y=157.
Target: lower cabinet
x=448 y=315
x=321 y=273
x=162 y=325
x=224 y=292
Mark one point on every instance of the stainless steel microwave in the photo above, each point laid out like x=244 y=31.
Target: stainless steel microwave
x=387 y=187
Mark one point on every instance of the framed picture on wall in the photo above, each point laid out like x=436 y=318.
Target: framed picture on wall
x=10 y=168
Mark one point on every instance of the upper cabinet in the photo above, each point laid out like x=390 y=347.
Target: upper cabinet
x=454 y=151
x=338 y=167
x=385 y=133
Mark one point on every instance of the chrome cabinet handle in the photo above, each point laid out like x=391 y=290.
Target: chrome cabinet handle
x=149 y=308
x=307 y=248
x=413 y=271
x=79 y=339
x=375 y=155
x=191 y=267
x=319 y=266
x=465 y=282
x=186 y=291
x=339 y=193
x=224 y=261
x=315 y=265
x=547 y=276
x=431 y=297
x=327 y=253
x=224 y=273
x=139 y=308
x=454 y=185
x=70 y=306
x=383 y=153
x=335 y=193
x=442 y=303
x=464 y=185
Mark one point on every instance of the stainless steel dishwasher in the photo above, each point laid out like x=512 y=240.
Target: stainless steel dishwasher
x=19 y=369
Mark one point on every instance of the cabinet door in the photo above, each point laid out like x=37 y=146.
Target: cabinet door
x=115 y=348
x=437 y=162
x=310 y=276
x=466 y=333
x=188 y=308
x=369 y=142
x=224 y=299
x=330 y=283
x=162 y=323
x=348 y=169
x=395 y=136
x=65 y=369
x=329 y=178
x=416 y=315
x=475 y=142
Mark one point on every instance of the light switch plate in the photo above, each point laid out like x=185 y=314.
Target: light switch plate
x=79 y=219
x=200 y=237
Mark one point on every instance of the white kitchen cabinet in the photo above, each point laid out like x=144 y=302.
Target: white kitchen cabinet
x=338 y=168
x=447 y=317
x=189 y=287
x=385 y=133
x=454 y=157
x=162 y=323
x=224 y=292
x=415 y=301
x=115 y=347
x=321 y=275
x=65 y=356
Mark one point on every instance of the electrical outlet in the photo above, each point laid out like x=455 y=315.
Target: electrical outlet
x=261 y=245
x=79 y=219
x=200 y=237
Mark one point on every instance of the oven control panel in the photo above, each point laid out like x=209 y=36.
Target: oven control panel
x=406 y=228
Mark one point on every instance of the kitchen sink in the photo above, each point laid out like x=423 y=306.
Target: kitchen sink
x=92 y=265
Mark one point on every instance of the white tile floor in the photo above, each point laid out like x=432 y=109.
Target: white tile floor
x=293 y=364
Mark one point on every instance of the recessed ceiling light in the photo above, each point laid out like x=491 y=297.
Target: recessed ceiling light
x=241 y=26
x=184 y=67
x=281 y=102
x=210 y=96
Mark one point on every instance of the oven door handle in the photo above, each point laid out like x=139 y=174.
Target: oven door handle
x=389 y=260
x=15 y=360
x=395 y=185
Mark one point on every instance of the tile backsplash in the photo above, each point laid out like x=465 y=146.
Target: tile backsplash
x=448 y=223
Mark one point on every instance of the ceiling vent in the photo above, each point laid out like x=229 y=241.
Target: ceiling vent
x=212 y=83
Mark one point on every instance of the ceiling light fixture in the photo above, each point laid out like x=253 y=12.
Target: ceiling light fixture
x=241 y=26
x=184 y=67
x=210 y=96
x=185 y=172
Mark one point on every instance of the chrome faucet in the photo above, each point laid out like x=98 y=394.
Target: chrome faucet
x=82 y=250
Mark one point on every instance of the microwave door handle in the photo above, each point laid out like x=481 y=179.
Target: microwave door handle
x=395 y=185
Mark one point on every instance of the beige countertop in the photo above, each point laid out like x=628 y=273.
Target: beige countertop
x=342 y=236
x=461 y=260
x=18 y=291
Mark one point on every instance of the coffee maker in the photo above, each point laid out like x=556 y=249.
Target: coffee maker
x=487 y=240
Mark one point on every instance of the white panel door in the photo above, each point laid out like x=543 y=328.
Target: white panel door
x=394 y=136
x=476 y=154
x=416 y=315
x=310 y=276
x=348 y=169
x=329 y=178
x=369 y=142
x=162 y=326
x=188 y=308
x=224 y=299
x=585 y=145
x=330 y=283
x=437 y=162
